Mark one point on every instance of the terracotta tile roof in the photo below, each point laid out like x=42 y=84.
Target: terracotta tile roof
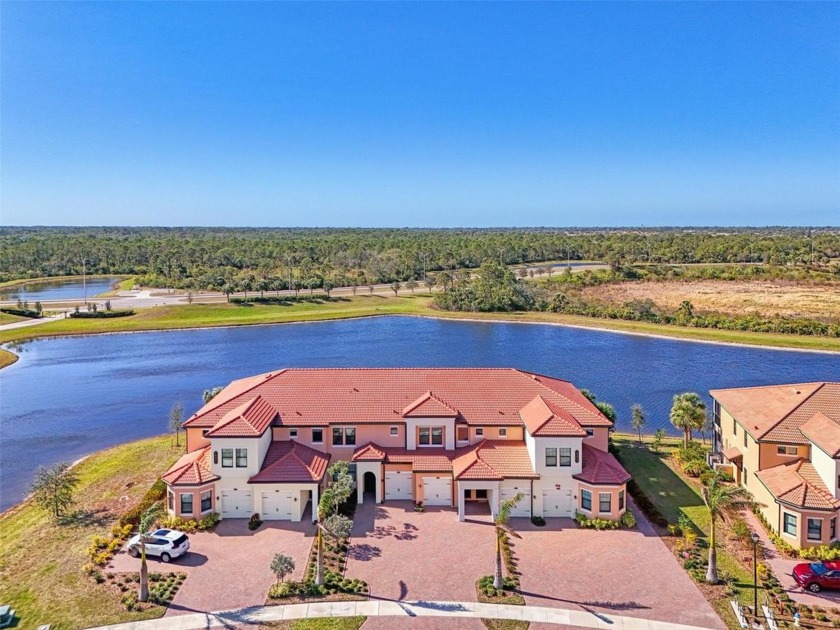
x=488 y=459
x=545 y=419
x=193 y=469
x=798 y=484
x=250 y=419
x=319 y=397
x=774 y=413
x=733 y=453
x=291 y=462
x=601 y=468
x=824 y=432
x=429 y=406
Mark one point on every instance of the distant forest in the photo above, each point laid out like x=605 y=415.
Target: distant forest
x=270 y=258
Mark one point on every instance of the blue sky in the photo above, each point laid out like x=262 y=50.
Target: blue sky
x=420 y=114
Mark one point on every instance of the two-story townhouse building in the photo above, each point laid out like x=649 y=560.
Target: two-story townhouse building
x=433 y=436
x=783 y=444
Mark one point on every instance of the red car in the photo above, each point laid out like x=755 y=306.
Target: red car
x=816 y=576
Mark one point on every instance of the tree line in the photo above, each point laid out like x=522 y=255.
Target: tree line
x=261 y=259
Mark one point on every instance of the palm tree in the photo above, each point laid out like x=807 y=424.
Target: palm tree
x=501 y=523
x=146 y=521
x=688 y=412
x=721 y=498
x=638 y=419
x=333 y=525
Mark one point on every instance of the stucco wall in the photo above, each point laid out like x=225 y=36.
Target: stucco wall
x=538 y=449
x=770 y=456
x=377 y=433
x=599 y=439
x=257 y=448
x=196 y=492
x=800 y=539
x=614 y=491
x=828 y=469
x=195 y=440
x=411 y=425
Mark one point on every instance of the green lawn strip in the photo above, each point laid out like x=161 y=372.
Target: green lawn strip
x=40 y=562
x=675 y=495
x=321 y=623
x=7 y=358
x=8 y=318
x=44 y=279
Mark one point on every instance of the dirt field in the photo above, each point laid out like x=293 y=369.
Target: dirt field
x=766 y=298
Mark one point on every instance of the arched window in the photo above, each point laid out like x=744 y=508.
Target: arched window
x=577 y=457
x=215 y=457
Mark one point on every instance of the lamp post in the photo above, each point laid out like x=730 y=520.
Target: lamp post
x=755 y=540
x=84 y=278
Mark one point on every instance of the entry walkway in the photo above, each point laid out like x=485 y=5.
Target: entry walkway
x=386 y=608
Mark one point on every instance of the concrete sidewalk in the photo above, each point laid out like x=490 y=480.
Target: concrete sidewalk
x=386 y=608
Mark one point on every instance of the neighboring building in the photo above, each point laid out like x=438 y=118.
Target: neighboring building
x=432 y=436
x=783 y=443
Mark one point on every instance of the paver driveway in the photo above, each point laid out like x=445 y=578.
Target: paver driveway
x=625 y=572
x=229 y=567
x=405 y=555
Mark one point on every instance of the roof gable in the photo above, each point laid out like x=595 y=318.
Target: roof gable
x=543 y=418
x=798 y=483
x=289 y=461
x=601 y=468
x=824 y=432
x=192 y=469
x=428 y=406
x=250 y=419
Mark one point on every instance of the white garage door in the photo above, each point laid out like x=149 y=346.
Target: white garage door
x=523 y=508
x=557 y=503
x=277 y=505
x=398 y=485
x=237 y=503
x=437 y=490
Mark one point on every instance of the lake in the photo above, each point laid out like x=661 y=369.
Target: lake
x=58 y=290
x=69 y=397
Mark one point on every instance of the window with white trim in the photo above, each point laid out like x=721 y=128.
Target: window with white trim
x=395 y=430
x=186 y=503
x=430 y=436
x=292 y=433
x=170 y=500
x=604 y=502
x=586 y=500
x=206 y=501
x=789 y=526
x=784 y=449
x=344 y=436
x=551 y=456
x=620 y=500
x=815 y=529
x=565 y=456
x=242 y=458
x=227 y=458
x=479 y=431
x=832 y=528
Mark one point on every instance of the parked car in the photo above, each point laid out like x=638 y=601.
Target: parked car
x=164 y=543
x=816 y=576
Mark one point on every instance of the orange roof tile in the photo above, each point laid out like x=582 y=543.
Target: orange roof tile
x=774 y=413
x=192 y=469
x=250 y=419
x=291 y=462
x=545 y=419
x=733 y=453
x=824 y=432
x=601 y=468
x=798 y=484
x=428 y=406
x=319 y=397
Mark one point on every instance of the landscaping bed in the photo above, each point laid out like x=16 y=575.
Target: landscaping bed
x=509 y=593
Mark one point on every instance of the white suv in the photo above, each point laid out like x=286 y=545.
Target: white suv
x=164 y=543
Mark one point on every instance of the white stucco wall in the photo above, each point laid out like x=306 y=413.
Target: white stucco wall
x=257 y=448
x=827 y=467
x=411 y=425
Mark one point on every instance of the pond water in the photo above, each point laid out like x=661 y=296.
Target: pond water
x=72 y=396
x=58 y=290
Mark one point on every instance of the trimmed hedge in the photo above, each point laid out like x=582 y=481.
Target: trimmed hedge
x=21 y=312
x=154 y=494
x=101 y=314
x=287 y=299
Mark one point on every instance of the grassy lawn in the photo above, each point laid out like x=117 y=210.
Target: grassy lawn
x=7 y=358
x=8 y=318
x=324 y=623
x=675 y=495
x=40 y=562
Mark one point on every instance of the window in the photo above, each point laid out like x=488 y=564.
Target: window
x=292 y=433
x=242 y=458
x=186 y=502
x=815 y=529
x=227 y=458
x=550 y=456
x=586 y=500
x=463 y=434
x=317 y=436
x=745 y=440
x=481 y=494
x=565 y=457
x=170 y=500
x=589 y=432
x=502 y=432
x=204 y=432
x=206 y=501
x=832 y=528
x=790 y=524
x=783 y=449
x=430 y=436
x=395 y=430
x=479 y=431
x=344 y=436
x=620 y=500
x=604 y=502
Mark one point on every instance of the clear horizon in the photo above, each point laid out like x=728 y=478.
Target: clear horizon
x=420 y=115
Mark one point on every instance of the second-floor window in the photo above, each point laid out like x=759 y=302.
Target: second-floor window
x=242 y=458
x=317 y=436
x=463 y=434
x=502 y=432
x=565 y=457
x=227 y=458
x=430 y=436
x=344 y=436
x=551 y=456
x=783 y=449
x=589 y=432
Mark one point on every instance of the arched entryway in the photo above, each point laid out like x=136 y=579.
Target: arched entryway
x=369 y=486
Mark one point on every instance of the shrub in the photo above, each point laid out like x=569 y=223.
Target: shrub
x=539 y=521
x=254 y=522
x=418 y=507
x=695 y=468
x=101 y=314
x=176 y=522
x=154 y=494
x=628 y=519
x=741 y=530
x=129 y=600
x=209 y=522
x=296 y=589
x=21 y=312
x=595 y=523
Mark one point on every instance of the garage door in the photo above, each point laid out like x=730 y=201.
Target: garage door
x=237 y=503
x=277 y=505
x=437 y=490
x=523 y=508
x=398 y=485
x=557 y=503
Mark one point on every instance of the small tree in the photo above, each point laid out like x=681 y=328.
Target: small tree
x=721 y=498
x=444 y=279
x=688 y=413
x=210 y=394
x=282 y=566
x=334 y=525
x=638 y=420
x=411 y=284
x=39 y=308
x=395 y=287
x=430 y=281
x=53 y=488
x=500 y=521
x=107 y=305
x=658 y=436
x=341 y=486
x=176 y=418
